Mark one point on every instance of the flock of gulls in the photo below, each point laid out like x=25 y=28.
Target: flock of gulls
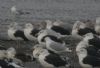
x=49 y=45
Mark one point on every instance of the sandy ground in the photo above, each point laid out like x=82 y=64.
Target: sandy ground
x=38 y=10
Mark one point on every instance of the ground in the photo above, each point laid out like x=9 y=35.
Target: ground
x=38 y=10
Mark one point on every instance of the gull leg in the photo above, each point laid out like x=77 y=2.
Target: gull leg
x=18 y=44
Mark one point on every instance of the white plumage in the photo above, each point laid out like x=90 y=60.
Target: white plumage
x=86 y=58
x=43 y=33
x=80 y=29
x=15 y=33
x=49 y=60
x=11 y=30
x=11 y=52
x=14 y=10
x=77 y=25
x=30 y=32
x=2 y=54
x=56 y=45
x=7 y=53
x=84 y=43
x=49 y=25
x=81 y=55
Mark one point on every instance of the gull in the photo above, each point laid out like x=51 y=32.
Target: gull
x=49 y=60
x=88 y=54
x=14 y=10
x=17 y=12
x=31 y=32
x=97 y=26
x=85 y=44
x=12 y=54
x=43 y=33
x=86 y=60
x=57 y=29
x=80 y=29
x=5 y=64
x=15 y=33
x=64 y=25
x=55 y=45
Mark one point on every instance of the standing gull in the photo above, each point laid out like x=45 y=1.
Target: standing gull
x=97 y=26
x=14 y=13
x=14 y=10
x=15 y=33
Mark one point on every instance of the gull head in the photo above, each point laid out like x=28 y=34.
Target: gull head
x=88 y=36
x=11 y=52
x=37 y=51
x=13 y=25
x=28 y=25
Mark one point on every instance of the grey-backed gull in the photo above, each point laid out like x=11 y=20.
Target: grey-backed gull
x=54 y=44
